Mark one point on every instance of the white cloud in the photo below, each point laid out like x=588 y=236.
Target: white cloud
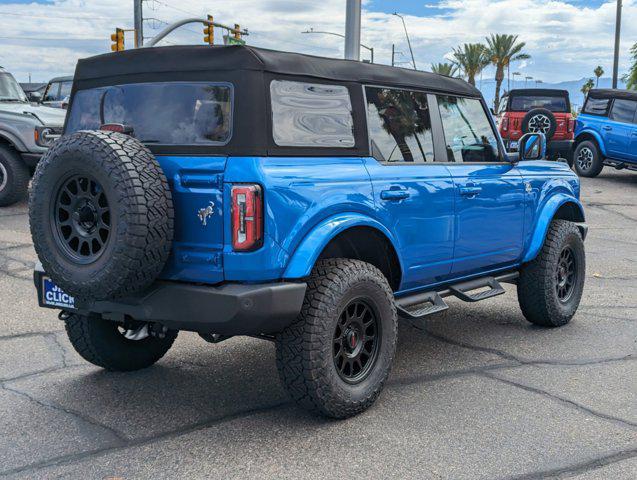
x=566 y=40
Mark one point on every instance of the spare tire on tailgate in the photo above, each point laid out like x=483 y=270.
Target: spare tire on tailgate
x=101 y=215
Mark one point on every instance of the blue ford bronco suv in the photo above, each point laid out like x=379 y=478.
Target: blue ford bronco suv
x=606 y=132
x=308 y=201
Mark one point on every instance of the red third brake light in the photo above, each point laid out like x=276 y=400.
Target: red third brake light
x=247 y=217
x=117 y=127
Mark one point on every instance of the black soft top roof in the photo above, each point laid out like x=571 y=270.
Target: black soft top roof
x=612 y=93
x=551 y=92
x=202 y=58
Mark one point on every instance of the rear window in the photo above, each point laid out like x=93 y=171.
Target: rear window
x=596 y=106
x=623 y=111
x=524 y=103
x=171 y=113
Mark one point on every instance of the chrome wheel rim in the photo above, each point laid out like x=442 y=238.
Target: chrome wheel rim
x=585 y=158
x=356 y=341
x=566 y=275
x=4 y=177
x=539 y=124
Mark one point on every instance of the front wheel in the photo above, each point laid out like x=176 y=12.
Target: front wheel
x=14 y=177
x=550 y=286
x=335 y=358
x=587 y=159
x=114 y=347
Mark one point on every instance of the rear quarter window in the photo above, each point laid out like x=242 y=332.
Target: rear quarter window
x=311 y=115
x=596 y=106
x=170 y=113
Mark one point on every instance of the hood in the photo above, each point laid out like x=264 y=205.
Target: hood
x=53 y=117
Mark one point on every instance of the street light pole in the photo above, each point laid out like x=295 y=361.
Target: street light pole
x=371 y=49
x=618 y=26
x=408 y=42
x=138 y=18
x=353 y=30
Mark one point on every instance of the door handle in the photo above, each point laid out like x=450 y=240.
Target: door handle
x=394 y=194
x=607 y=127
x=470 y=191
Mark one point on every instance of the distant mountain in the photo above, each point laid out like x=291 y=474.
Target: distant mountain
x=573 y=86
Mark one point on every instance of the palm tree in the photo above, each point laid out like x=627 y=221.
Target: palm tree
x=471 y=58
x=587 y=87
x=448 y=69
x=503 y=49
x=631 y=76
x=599 y=71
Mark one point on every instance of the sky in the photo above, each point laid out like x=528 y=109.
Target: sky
x=566 y=39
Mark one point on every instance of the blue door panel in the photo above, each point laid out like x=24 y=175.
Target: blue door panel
x=618 y=138
x=415 y=201
x=489 y=217
x=196 y=183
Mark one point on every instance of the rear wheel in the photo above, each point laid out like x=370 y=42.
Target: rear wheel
x=587 y=159
x=14 y=177
x=115 y=347
x=335 y=358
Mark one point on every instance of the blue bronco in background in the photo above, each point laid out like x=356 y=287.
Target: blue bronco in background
x=308 y=201
x=606 y=132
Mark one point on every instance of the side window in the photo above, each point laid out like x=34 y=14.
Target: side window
x=52 y=92
x=596 y=106
x=623 y=111
x=311 y=115
x=399 y=125
x=469 y=136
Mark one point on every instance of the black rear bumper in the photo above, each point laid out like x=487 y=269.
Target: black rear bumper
x=228 y=309
x=560 y=146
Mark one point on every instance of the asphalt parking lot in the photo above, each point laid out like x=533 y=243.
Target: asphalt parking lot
x=480 y=394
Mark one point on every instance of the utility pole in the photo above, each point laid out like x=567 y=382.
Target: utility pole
x=353 y=30
x=618 y=26
x=393 y=54
x=413 y=61
x=139 y=23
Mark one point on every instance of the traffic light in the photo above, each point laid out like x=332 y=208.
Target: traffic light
x=118 y=40
x=209 y=32
x=237 y=31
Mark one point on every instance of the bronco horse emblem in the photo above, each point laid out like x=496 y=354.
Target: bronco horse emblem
x=205 y=213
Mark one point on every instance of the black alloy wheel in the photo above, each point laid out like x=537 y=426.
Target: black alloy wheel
x=81 y=218
x=566 y=274
x=356 y=340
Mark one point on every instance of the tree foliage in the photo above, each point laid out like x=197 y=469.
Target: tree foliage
x=448 y=69
x=502 y=49
x=471 y=58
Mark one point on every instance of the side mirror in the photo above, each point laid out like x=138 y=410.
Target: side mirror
x=35 y=97
x=532 y=146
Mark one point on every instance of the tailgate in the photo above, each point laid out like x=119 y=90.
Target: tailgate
x=196 y=184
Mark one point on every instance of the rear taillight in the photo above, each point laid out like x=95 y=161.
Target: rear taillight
x=571 y=125
x=247 y=217
x=505 y=124
x=117 y=127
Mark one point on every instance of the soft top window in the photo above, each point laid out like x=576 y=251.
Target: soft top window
x=311 y=115
x=596 y=106
x=523 y=103
x=169 y=113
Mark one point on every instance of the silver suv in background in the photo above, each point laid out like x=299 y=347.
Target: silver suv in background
x=57 y=92
x=26 y=132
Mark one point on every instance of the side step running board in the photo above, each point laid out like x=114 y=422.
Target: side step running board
x=462 y=290
x=420 y=305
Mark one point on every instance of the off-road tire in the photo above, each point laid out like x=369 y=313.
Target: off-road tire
x=595 y=166
x=540 y=111
x=304 y=350
x=99 y=342
x=537 y=285
x=141 y=214
x=14 y=177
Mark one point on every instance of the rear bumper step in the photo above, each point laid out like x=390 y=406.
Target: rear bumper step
x=416 y=307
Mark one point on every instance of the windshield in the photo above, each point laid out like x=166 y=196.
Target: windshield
x=10 y=90
x=524 y=103
x=170 y=113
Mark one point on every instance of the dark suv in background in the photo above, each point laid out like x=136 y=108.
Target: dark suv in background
x=536 y=110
